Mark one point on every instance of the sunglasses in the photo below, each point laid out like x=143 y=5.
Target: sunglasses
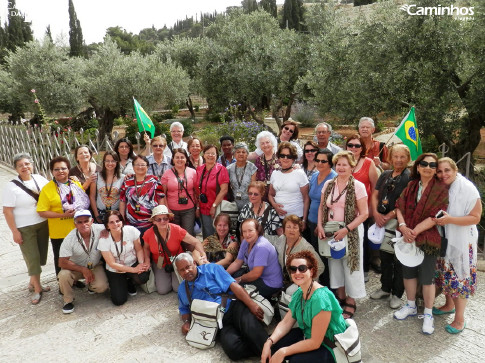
x=432 y=165
x=255 y=194
x=157 y=145
x=286 y=156
x=289 y=130
x=354 y=145
x=321 y=161
x=310 y=151
x=163 y=219
x=301 y=268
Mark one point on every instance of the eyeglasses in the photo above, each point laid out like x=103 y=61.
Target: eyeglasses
x=123 y=147
x=176 y=131
x=321 y=161
x=310 y=151
x=140 y=165
x=286 y=156
x=110 y=161
x=253 y=194
x=301 y=268
x=179 y=158
x=432 y=164
x=157 y=145
x=323 y=132
x=289 y=130
x=210 y=154
x=354 y=145
x=57 y=170
x=162 y=219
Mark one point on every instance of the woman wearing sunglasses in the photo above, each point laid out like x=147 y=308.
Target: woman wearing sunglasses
x=288 y=192
x=105 y=194
x=309 y=166
x=126 y=265
x=314 y=308
x=158 y=162
x=366 y=172
x=163 y=242
x=418 y=204
x=324 y=172
x=260 y=210
x=389 y=187
x=289 y=133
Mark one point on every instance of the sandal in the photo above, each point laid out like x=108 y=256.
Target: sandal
x=44 y=288
x=36 y=297
x=348 y=314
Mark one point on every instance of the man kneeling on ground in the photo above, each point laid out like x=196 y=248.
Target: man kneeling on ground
x=79 y=258
x=242 y=335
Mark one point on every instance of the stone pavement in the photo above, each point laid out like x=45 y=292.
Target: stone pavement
x=147 y=327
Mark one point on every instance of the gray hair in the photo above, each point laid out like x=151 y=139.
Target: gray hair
x=241 y=145
x=176 y=124
x=20 y=156
x=270 y=136
x=324 y=124
x=368 y=119
x=183 y=256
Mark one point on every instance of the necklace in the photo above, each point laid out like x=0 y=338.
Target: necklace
x=285 y=170
x=304 y=301
x=333 y=201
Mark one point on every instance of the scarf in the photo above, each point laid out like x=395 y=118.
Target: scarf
x=433 y=199
x=350 y=213
x=463 y=197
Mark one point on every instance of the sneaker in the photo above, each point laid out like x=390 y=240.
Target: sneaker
x=379 y=294
x=91 y=292
x=366 y=277
x=395 y=302
x=131 y=290
x=68 y=308
x=405 y=311
x=428 y=324
x=79 y=284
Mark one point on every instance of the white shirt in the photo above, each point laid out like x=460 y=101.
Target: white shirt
x=126 y=257
x=24 y=206
x=71 y=247
x=287 y=188
x=174 y=145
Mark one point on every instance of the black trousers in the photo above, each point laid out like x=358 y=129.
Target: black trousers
x=119 y=282
x=56 y=246
x=295 y=335
x=242 y=335
x=391 y=277
x=263 y=289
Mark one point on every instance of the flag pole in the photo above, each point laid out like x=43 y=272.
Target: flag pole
x=397 y=128
x=136 y=114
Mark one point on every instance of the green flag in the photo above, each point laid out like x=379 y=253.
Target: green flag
x=408 y=132
x=145 y=124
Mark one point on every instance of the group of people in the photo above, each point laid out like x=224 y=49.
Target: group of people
x=135 y=217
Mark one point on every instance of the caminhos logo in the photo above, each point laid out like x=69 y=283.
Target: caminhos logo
x=438 y=10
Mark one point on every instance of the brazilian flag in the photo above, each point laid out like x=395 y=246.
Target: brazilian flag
x=145 y=124
x=408 y=132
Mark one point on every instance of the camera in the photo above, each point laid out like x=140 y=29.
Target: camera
x=383 y=209
x=238 y=196
x=183 y=200
x=203 y=198
x=169 y=268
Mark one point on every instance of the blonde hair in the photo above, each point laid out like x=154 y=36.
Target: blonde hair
x=449 y=161
x=159 y=138
x=398 y=147
x=347 y=155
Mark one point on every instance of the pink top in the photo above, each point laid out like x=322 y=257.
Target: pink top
x=208 y=185
x=170 y=182
x=338 y=207
x=363 y=176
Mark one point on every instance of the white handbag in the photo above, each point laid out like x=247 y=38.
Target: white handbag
x=262 y=302
x=389 y=233
x=206 y=321
x=330 y=228
x=283 y=305
x=347 y=347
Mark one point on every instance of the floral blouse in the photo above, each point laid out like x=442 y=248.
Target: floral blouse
x=216 y=251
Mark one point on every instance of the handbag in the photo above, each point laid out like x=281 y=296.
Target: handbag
x=231 y=209
x=206 y=321
x=262 y=302
x=330 y=229
x=444 y=242
x=347 y=347
x=283 y=306
x=149 y=286
x=389 y=233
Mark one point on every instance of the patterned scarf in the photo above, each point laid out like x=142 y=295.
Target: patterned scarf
x=433 y=198
x=350 y=212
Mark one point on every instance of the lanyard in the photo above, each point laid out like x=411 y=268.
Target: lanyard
x=136 y=189
x=266 y=167
x=305 y=300
x=81 y=242
x=181 y=181
x=119 y=252
x=202 y=178
x=239 y=180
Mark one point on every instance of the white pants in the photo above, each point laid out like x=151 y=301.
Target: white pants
x=340 y=272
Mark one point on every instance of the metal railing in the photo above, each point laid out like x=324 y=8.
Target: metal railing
x=45 y=143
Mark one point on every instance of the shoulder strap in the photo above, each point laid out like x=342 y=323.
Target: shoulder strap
x=381 y=147
x=164 y=245
x=187 y=291
x=218 y=187
x=25 y=189
x=183 y=185
x=265 y=215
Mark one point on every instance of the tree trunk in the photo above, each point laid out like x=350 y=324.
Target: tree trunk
x=287 y=114
x=188 y=102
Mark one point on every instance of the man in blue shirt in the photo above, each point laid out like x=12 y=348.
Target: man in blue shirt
x=242 y=335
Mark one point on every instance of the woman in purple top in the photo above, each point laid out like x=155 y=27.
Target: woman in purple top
x=257 y=261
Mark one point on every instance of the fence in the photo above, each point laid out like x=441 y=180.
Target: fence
x=44 y=143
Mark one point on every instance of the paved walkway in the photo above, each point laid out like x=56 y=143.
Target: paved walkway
x=147 y=327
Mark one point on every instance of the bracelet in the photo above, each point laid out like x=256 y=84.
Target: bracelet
x=402 y=224
x=347 y=228
x=271 y=340
x=186 y=321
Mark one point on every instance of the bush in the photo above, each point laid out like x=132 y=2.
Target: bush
x=305 y=114
x=162 y=116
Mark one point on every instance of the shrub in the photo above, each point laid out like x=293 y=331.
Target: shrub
x=305 y=114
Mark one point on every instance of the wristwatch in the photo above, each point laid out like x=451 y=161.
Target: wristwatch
x=214 y=205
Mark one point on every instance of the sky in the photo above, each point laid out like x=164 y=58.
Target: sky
x=98 y=15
